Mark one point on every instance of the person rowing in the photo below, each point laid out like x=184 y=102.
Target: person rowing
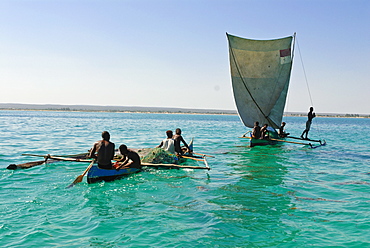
x=103 y=151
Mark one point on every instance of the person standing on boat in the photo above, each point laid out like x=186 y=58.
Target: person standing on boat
x=168 y=144
x=177 y=140
x=282 y=132
x=130 y=158
x=103 y=151
x=311 y=115
x=256 y=132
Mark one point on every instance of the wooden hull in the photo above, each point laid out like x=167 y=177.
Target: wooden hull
x=262 y=142
x=96 y=174
x=273 y=141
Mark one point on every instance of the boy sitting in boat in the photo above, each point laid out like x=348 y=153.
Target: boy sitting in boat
x=264 y=132
x=130 y=158
x=168 y=144
x=282 y=132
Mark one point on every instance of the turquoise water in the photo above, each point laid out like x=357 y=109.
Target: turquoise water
x=276 y=196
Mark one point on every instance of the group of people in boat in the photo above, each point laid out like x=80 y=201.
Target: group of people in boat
x=172 y=143
x=258 y=132
x=262 y=132
x=103 y=151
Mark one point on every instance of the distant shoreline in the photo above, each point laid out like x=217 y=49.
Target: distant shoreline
x=145 y=110
x=118 y=109
x=123 y=111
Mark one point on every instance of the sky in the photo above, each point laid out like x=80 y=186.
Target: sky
x=174 y=53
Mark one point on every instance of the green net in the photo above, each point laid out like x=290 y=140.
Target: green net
x=159 y=156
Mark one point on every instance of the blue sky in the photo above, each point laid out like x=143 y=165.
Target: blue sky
x=175 y=53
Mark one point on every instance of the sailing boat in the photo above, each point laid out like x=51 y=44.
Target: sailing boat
x=260 y=73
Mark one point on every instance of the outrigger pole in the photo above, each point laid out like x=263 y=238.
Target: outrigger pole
x=303 y=139
x=299 y=143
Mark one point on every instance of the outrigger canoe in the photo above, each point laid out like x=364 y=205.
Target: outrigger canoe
x=96 y=174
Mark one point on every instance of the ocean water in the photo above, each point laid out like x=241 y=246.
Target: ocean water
x=275 y=196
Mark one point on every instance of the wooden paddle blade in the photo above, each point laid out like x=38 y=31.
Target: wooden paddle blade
x=76 y=181
x=80 y=177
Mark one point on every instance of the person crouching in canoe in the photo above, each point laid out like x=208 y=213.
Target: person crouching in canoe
x=103 y=151
x=129 y=159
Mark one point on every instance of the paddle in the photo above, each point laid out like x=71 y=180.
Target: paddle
x=80 y=177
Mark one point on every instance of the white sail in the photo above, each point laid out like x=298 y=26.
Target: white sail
x=260 y=73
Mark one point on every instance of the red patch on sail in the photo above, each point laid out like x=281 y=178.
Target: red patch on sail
x=285 y=52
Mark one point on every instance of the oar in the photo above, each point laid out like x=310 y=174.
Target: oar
x=80 y=177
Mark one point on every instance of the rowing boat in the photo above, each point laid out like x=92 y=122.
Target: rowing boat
x=97 y=174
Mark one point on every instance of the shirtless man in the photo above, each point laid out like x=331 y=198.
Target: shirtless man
x=103 y=151
x=130 y=158
x=178 y=138
x=168 y=144
x=256 y=132
x=310 y=116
